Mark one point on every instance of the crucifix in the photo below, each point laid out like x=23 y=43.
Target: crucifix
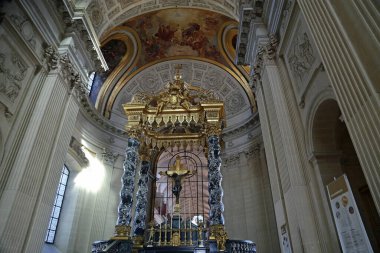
x=177 y=173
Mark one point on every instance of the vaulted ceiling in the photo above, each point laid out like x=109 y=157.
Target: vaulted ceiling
x=106 y=14
x=142 y=41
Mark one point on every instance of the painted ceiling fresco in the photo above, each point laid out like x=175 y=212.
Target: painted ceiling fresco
x=174 y=32
x=168 y=34
x=113 y=51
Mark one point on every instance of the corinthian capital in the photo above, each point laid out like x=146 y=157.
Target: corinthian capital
x=52 y=57
x=135 y=132
x=213 y=130
x=271 y=47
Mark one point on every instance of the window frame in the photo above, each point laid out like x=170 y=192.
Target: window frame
x=57 y=206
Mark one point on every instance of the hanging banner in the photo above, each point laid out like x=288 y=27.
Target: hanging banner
x=352 y=235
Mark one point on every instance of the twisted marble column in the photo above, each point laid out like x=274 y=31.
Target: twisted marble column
x=123 y=224
x=141 y=200
x=215 y=182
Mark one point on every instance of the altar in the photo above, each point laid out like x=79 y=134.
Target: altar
x=174 y=138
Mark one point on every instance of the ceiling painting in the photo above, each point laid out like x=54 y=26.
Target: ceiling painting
x=174 y=32
x=167 y=35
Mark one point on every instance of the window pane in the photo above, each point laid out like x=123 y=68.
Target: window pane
x=53 y=223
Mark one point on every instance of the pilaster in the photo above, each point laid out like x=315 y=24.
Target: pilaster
x=26 y=202
x=349 y=55
x=101 y=204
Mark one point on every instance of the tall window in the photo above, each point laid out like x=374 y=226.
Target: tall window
x=50 y=235
x=90 y=82
x=194 y=195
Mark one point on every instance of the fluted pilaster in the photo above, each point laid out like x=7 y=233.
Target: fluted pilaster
x=349 y=56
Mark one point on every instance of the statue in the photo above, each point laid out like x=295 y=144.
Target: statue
x=177 y=173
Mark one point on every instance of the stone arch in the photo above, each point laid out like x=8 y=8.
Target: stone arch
x=335 y=155
x=310 y=117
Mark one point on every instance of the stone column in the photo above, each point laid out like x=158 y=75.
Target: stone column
x=215 y=182
x=216 y=218
x=141 y=200
x=123 y=224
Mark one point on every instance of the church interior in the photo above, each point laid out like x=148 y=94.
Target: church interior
x=189 y=126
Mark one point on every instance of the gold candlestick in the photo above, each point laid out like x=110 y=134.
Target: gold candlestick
x=159 y=236
x=165 y=234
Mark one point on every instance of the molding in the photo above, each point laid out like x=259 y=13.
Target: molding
x=248 y=11
x=62 y=63
x=76 y=21
x=76 y=151
x=266 y=54
x=252 y=123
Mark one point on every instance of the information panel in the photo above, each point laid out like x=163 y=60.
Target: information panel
x=352 y=235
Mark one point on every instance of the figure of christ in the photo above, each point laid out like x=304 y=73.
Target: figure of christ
x=177 y=173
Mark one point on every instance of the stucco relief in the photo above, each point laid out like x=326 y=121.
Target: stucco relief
x=26 y=29
x=12 y=73
x=96 y=14
x=150 y=82
x=234 y=103
x=301 y=57
x=213 y=79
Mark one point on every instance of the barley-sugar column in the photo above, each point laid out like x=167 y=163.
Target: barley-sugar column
x=139 y=220
x=215 y=189
x=123 y=225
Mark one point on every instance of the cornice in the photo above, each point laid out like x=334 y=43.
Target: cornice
x=76 y=21
x=266 y=54
x=62 y=63
x=252 y=123
x=249 y=10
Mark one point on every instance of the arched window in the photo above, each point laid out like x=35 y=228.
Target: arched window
x=53 y=223
x=194 y=194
